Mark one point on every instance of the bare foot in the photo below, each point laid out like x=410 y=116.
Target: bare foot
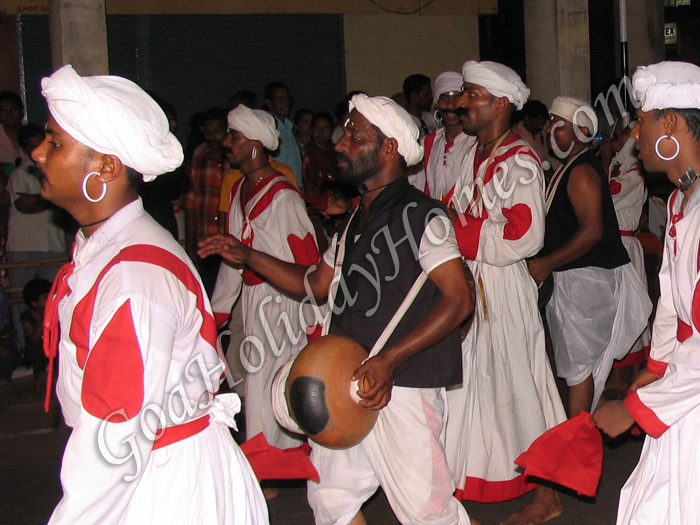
x=474 y=521
x=271 y=492
x=545 y=505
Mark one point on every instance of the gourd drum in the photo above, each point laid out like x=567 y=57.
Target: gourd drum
x=318 y=395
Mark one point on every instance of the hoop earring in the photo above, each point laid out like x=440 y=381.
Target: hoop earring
x=255 y=153
x=670 y=137
x=438 y=115
x=85 y=192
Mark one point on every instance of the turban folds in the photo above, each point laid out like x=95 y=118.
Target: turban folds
x=255 y=124
x=113 y=115
x=497 y=79
x=576 y=111
x=447 y=81
x=667 y=85
x=393 y=121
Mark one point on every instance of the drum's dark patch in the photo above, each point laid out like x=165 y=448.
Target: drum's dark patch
x=307 y=398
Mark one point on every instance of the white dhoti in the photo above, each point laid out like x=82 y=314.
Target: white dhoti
x=419 y=491
x=595 y=315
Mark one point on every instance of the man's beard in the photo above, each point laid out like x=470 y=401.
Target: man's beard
x=361 y=169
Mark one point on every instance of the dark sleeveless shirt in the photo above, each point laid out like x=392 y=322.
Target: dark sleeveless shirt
x=379 y=269
x=561 y=224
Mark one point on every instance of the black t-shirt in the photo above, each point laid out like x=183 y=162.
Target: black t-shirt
x=561 y=223
x=379 y=269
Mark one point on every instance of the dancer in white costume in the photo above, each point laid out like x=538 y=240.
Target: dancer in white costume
x=138 y=360
x=664 y=489
x=394 y=224
x=446 y=147
x=268 y=214
x=508 y=397
x=629 y=193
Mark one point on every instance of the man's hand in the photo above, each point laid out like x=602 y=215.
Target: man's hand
x=225 y=245
x=613 y=418
x=645 y=378
x=375 y=380
x=539 y=269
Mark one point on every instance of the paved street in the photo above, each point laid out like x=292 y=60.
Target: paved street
x=31 y=444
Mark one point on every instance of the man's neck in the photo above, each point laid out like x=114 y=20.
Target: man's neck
x=452 y=132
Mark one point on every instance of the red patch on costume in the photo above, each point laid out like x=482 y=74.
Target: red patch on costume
x=615 y=187
x=304 y=250
x=519 y=219
x=113 y=379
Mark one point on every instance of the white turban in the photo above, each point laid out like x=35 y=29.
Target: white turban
x=255 y=124
x=576 y=111
x=393 y=121
x=667 y=85
x=447 y=81
x=113 y=115
x=499 y=80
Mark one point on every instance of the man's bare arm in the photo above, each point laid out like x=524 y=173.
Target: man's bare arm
x=585 y=196
x=296 y=279
x=454 y=305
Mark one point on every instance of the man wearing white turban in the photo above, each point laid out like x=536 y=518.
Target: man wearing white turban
x=132 y=326
x=509 y=397
x=395 y=236
x=599 y=305
x=446 y=147
x=664 y=488
x=267 y=213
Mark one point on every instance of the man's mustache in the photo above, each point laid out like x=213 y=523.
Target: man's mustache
x=37 y=172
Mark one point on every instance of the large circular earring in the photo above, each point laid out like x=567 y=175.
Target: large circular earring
x=670 y=137
x=85 y=192
x=438 y=115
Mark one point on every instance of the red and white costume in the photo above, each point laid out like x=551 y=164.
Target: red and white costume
x=664 y=489
x=629 y=193
x=272 y=219
x=138 y=353
x=508 y=397
x=442 y=164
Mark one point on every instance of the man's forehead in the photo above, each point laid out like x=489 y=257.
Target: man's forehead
x=358 y=120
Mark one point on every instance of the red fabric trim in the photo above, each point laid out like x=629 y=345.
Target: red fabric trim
x=269 y=462
x=658 y=368
x=251 y=278
x=695 y=311
x=520 y=148
x=468 y=235
x=266 y=199
x=683 y=329
x=644 y=416
x=313 y=332
x=234 y=190
x=626 y=233
x=220 y=319
x=615 y=187
x=632 y=358
x=304 y=250
x=477 y=489
x=519 y=219
x=84 y=310
x=113 y=377
x=170 y=435
x=427 y=148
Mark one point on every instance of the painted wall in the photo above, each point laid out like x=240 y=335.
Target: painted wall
x=382 y=50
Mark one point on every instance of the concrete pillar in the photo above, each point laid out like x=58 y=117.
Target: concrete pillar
x=557 y=51
x=79 y=35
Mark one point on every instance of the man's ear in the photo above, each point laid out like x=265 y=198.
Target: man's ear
x=390 y=148
x=111 y=168
x=670 y=122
